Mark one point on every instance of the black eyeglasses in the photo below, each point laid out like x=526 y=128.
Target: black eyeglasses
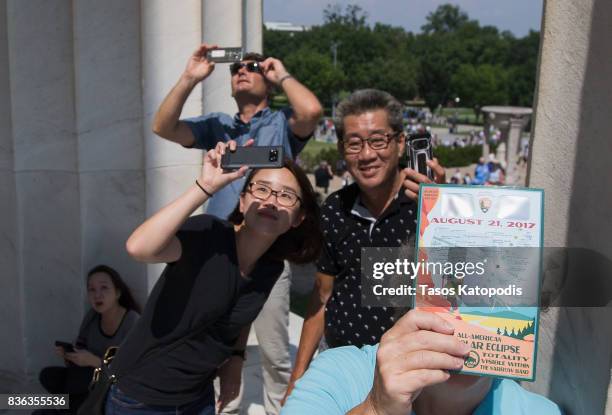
x=250 y=66
x=377 y=141
x=263 y=192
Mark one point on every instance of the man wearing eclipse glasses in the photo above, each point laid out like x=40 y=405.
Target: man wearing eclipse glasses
x=252 y=79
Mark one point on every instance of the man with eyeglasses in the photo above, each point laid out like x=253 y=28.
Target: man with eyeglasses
x=378 y=210
x=252 y=79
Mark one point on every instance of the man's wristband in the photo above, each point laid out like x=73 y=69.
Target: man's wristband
x=239 y=353
x=284 y=78
x=204 y=190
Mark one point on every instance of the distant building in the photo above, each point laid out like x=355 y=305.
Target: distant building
x=285 y=27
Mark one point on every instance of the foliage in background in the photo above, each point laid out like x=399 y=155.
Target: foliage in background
x=452 y=56
x=317 y=151
x=458 y=157
x=317 y=71
x=479 y=85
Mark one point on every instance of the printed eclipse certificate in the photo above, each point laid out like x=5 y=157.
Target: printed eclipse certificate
x=483 y=251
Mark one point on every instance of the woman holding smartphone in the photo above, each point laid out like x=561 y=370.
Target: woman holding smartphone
x=218 y=277
x=113 y=313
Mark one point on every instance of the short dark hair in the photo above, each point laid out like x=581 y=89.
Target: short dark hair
x=253 y=56
x=365 y=100
x=301 y=244
x=126 y=299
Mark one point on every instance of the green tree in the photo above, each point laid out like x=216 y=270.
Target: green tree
x=396 y=76
x=438 y=60
x=453 y=56
x=353 y=15
x=480 y=85
x=445 y=19
x=522 y=61
x=317 y=71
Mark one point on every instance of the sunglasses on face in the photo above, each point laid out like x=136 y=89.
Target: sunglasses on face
x=250 y=67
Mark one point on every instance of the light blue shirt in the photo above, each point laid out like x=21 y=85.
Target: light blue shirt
x=481 y=174
x=341 y=378
x=267 y=127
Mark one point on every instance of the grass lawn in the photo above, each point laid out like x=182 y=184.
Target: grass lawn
x=313 y=147
x=462 y=111
x=464 y=114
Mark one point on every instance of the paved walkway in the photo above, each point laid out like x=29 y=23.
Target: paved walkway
x=253 y=392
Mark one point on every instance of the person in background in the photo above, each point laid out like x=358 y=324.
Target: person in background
x=347 y=178
x=467 y=179
x=323 y=175
x=481 y=172
x=112 y=315
x=496 y=176
x=457 y=178
x=491 y=162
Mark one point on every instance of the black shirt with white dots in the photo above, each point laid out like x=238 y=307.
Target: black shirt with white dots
x=347 y=227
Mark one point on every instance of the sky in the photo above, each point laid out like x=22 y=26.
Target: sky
x=517 y=16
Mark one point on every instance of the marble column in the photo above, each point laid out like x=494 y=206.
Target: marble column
x=516 y=125
x=222 y=25
x=570 y=160
x=253 y=25
x=170 y=34
x=501 y=150
x=49 y=289
x=108 y=94
x=487 y=134
x=13 y=356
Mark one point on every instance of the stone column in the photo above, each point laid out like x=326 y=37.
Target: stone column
x=222 y=25
x=45 y=268
x=516 y=125
x=570 y=159
x=13 y=357
x=170 y=34
x=487 y=133
x=253 y=22
x=109 y=132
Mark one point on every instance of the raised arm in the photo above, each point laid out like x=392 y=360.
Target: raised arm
x=166 y=123
x=312 y=330
x=306 y=107
x=155 y=240
x=417 y=352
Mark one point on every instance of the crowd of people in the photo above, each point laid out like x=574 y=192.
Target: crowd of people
x=228 y=270
x=491 y=173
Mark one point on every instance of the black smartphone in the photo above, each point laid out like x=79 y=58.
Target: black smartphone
x=224 y=55
x=270 y=157
x=419 y=151
x=68 y=347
